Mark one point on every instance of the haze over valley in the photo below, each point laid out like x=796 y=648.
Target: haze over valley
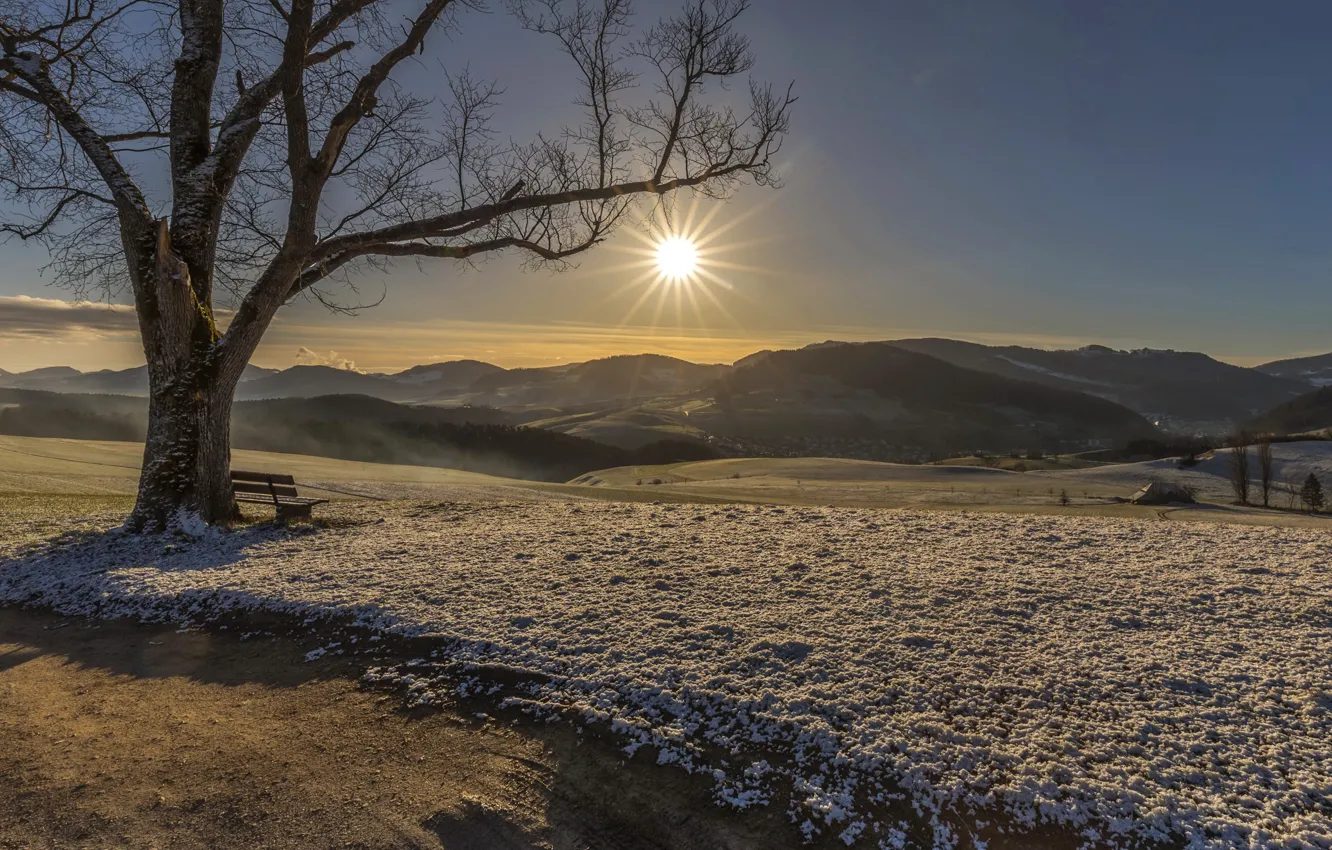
x=902 y=401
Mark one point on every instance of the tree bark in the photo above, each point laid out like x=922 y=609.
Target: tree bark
x=186 y=477
x=186 y=473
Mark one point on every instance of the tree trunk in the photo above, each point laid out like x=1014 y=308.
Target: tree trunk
x=186 y=476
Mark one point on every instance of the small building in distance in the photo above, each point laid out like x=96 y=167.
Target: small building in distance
x=1162 y=493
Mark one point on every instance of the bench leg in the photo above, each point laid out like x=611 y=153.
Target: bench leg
x=293 y=512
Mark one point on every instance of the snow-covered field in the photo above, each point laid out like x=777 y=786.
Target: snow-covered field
x=1291 y=463
x=894 y=673
x=855 y=483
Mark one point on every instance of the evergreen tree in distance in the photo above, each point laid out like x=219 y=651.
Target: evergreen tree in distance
x=1312 y=493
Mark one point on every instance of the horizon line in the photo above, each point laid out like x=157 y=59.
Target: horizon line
x=688 y=345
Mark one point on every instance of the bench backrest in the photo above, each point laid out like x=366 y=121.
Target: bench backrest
x=263 y=484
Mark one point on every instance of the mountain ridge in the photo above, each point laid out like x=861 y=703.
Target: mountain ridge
x=881 y=396
x=1187 y=392
x=1316 y=370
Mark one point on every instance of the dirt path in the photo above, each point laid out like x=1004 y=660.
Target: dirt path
x=113 y=734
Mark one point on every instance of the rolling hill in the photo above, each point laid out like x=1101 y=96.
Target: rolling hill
x=454 y=374
x=626 y=378
x=951 y=396
x=312 y=381
x=880 y=392
x=1180 y=390
x=1315 y=370
x=1309 y=412
x=354 y=428
x=64 y=379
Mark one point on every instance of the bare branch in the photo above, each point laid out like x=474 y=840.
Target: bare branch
x=296 y=152
x=363 y=98
x=316 y=273
x=32 y=70
x=42 y=227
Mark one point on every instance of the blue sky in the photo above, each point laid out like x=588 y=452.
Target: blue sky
x=1130 y=173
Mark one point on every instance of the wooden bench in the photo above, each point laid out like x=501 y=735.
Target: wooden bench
x=276 y=490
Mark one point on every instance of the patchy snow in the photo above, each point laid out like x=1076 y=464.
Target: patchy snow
x=1210 y=476
x=1135 y=680
x=26 y=63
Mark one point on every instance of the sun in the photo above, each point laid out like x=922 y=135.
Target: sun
x=677 y=258
x=680 y=261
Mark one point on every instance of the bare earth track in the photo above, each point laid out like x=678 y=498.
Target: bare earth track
x=115 y=734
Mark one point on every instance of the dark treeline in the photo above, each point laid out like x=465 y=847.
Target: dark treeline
x=1154 y=449
x=1310 y=412
x=355 y=428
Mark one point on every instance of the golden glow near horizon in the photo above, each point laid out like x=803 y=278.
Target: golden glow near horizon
x=677 y=259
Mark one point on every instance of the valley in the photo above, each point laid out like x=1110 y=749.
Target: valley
x=908 y=401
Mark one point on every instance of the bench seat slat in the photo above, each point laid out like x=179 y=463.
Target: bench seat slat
x=263 y=477
x=283 y=500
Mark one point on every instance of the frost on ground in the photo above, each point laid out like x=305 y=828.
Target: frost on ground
x=1136 y=680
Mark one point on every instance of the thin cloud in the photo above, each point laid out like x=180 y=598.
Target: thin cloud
x=25 y=317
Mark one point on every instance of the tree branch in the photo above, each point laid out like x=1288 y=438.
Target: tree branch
x=42 y=227
x=363 y=100
x=440 y=226
x=314 y=274
x=32 y=70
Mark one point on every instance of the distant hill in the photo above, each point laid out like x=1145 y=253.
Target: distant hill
x=311 y=381
x=633 y=399
x=64 y=379
x=360 y=409
x=522 y=377
x=32 y=379
x=72 y=416
x=1181 y=389
x=641 y=375
x=629 y=427
x=1310 y=412
x=879 y=392
x=629 y=378
x=454 y=374
x=1315 y=370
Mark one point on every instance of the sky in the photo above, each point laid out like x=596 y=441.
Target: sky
x=1136 y=174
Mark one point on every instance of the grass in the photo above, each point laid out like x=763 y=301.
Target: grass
x=44 y=482
x=46 y=465
x=1022 y=464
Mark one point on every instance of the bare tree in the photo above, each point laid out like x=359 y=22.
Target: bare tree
x=1239 y=468
x=184 y=150
x=1265 y=475
x=1292 y=482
